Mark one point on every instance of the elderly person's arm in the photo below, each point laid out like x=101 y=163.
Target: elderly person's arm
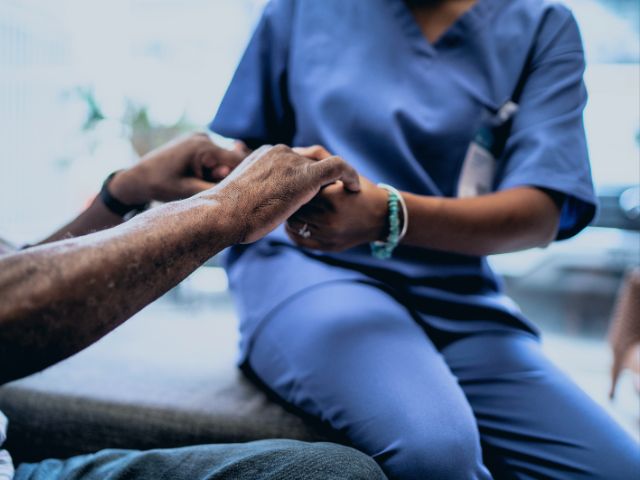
x=60 y=297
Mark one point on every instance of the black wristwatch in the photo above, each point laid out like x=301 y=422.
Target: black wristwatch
x=114 y=205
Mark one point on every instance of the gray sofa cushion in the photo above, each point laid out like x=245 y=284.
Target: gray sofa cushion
x=165 y=378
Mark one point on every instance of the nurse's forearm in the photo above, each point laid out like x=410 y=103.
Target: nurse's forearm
x=502 y=222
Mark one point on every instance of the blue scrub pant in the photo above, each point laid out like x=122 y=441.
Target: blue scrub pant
x=482 y=404
x=262 y=460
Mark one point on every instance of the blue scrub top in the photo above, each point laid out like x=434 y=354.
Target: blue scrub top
x=360 y=78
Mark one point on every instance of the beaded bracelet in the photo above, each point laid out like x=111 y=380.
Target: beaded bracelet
x=384 y=249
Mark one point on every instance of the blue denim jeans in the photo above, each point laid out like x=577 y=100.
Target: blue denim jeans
x=266 y=459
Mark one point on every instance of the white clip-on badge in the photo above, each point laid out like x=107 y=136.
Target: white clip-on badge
x=480 y=163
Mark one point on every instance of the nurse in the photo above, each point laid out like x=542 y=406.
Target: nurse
x=377 y=312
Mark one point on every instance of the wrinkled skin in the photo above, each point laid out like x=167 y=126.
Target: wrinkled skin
x=273 y=182
x=60 y=297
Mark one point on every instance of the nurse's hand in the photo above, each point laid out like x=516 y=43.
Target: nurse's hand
x=337 y=219
x=271 y=184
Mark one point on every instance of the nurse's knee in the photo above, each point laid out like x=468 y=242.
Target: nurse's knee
x=453 y=453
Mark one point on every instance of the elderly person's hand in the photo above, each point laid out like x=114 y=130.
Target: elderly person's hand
x=177 y=170
x=273 y=183
x=338 y=219
x=56 y=308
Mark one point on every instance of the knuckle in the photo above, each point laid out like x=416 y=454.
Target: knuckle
x=336 y=164
x=342 y=165
x=280 y=148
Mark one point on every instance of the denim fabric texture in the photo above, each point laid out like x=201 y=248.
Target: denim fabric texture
x=261 y=460
x=6 y=465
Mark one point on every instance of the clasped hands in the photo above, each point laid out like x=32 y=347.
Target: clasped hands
x=337 y=219
x=334 y=216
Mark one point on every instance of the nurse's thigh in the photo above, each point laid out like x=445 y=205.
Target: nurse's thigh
x=534 y=421
x=352 y=356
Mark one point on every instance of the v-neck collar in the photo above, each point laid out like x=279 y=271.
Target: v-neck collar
x=466 y=23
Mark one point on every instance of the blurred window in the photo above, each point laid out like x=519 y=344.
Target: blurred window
x=612 y=117
x=86 y=86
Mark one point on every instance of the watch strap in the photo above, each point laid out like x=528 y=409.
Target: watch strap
x=114 y=205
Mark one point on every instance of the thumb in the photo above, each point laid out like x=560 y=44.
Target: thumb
x=333 y=169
